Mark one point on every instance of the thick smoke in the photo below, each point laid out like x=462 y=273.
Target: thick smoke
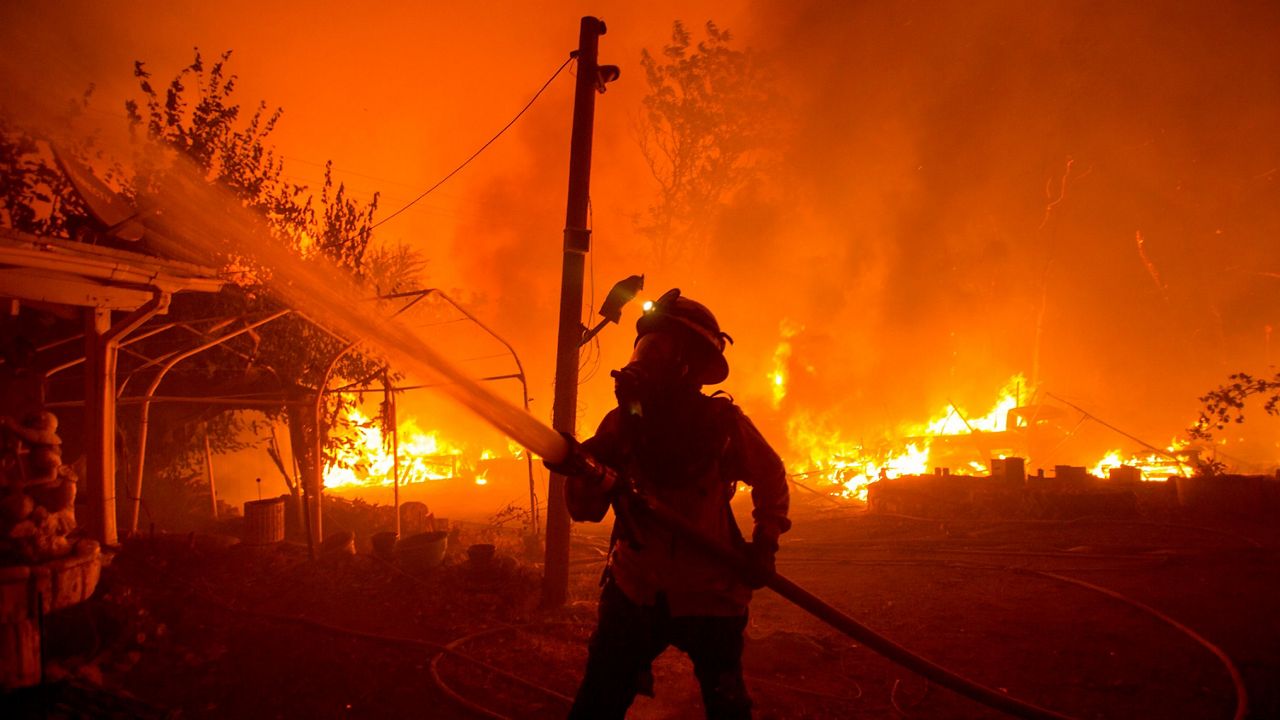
x=1083 y=191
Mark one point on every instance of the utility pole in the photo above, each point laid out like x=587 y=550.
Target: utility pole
x=577 y=242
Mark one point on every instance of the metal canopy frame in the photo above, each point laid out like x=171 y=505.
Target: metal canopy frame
x=98 y=280
x=205 y=335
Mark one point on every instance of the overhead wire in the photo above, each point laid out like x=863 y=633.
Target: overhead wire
x=483 y=147
x=594 y=351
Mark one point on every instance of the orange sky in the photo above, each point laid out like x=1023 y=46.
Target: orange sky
x=906 y=230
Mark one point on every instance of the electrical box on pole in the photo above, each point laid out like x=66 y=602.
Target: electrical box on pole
x=577 y=243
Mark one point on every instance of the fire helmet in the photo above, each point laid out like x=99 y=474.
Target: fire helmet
x=690 y=319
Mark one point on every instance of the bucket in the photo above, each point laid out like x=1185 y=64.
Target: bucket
x=339 y=544
x=422 y=551
x=264 y=521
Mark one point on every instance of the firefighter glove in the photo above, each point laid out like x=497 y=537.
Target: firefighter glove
x=579 y=463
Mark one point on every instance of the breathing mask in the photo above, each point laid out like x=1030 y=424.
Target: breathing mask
x=657 y=368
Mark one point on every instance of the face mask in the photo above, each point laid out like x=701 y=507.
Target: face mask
x=656 y=368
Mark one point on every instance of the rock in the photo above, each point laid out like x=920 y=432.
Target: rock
x=45 y=460
x=57 y=496
x=15 y=507
x=63 y=521
x=37 y=429
x=24 y=529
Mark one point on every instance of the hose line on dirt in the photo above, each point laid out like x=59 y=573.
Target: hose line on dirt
x=452 y=649
x=927 y=669
x=1237 y=681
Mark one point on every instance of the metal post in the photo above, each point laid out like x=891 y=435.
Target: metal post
x=135 y=498
x=394 y=422
x=208 y=468
x=100 y=441
x=102 y=343
x=577 y=242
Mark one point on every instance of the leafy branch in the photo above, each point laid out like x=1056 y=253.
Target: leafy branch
x=709 y=113
x=1224 y=405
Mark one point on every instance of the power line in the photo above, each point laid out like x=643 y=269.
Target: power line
x=483 y=147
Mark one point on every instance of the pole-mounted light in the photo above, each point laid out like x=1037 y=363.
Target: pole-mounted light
x=623 y=292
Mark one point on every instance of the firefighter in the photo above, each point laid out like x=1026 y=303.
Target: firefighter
x=668 y=441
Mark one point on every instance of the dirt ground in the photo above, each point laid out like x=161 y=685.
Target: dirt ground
x=193 y=627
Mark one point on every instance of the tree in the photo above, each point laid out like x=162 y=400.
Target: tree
x=707 y=120
x=196 y=119
x=35 y=196
x=208 y=128
x=1224 y=405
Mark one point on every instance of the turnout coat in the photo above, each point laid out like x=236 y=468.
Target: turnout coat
x=690 y=456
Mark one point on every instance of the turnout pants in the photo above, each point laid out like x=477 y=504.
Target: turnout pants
x=629 y=637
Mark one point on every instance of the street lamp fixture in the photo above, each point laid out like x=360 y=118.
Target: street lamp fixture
x=623 y=292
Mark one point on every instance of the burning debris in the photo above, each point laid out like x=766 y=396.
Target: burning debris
x=363 y=456
x=956 y=441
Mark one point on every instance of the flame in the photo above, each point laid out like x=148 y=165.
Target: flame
x=953 y=421
x=1153 y=466
x=844 y=467
x=363 y=456
x=821 y=453
x=781 y=363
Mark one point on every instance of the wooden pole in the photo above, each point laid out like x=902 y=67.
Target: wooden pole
x=577 y=242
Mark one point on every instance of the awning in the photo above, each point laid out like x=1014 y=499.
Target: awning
x=64 y=272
